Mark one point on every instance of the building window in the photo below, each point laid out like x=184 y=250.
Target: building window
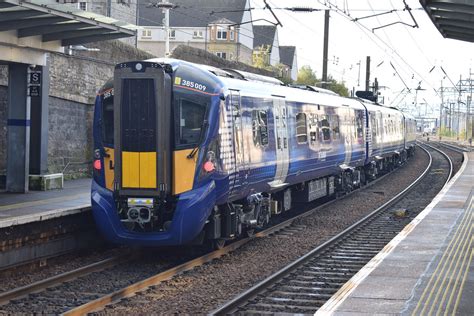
x=82 y=6
x=197 y=34
x=221 y=34
x=301 y=132
x=231 y=35
x=146 y=33
x=222 y=55
x=259 y=128
x=172 y=34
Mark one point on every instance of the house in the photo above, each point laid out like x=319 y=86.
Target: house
x=265 y=44
x=121 y=10
x=222 y=27
x=288 y=59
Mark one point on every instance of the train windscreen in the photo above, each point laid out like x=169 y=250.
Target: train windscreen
x=138 y=115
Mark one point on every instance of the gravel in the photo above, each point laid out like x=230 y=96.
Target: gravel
x=205 y=288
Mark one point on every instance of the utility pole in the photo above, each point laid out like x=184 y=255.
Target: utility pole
x=367 y=74
x=166 y=6
x=441 y=111
x=468 y=112
x=324 y=78
x=358 y=76
x=458 y=129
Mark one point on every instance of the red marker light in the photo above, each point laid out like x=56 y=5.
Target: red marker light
x=209 y=166
x=97 y=164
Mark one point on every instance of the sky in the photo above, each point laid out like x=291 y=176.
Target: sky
x=413 y=52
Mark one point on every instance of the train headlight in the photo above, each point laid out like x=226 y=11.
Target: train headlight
x=209 y=165
x=97 y=164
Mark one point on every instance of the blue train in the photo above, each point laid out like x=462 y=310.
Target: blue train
x=186 y=153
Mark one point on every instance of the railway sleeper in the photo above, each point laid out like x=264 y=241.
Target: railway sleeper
x=279 y=309
x=301 y=295
x=304 y=289
x=326 y=274
x=291 y=301
x=330 y=269
x=314 y=283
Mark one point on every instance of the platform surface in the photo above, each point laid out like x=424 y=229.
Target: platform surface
x=425 y=270
x=16 y=209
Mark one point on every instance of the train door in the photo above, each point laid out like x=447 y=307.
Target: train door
x=348 y=126
x=280 y=114
x=142 y=121
x=241 y=162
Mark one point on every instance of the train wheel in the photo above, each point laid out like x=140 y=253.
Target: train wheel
x=250 y=232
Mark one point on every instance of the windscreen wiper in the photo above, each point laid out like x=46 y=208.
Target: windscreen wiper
x=201 y=135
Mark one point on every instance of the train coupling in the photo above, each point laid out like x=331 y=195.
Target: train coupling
x=140 y=210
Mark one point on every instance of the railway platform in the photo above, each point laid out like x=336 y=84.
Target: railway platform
x=17 y=209
x=42 y=224
x=427 y=268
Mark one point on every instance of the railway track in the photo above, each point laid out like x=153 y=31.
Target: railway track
x=306 y=284
x=90 y=289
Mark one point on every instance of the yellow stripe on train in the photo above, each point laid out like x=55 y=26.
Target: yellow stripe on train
x=184 y=170
x=139 y=170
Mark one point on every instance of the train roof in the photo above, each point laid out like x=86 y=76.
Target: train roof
x=264 y=85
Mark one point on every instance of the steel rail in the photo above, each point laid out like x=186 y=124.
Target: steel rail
x=239 y=300
x=455 y=148
x=41 y=285
x=5 y=297
x=128 y=291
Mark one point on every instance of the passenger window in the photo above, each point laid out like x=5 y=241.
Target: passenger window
x=108 y=119
x=190 y=123
x=374 y=126
x=324 y=124
x=259 y=127
x=335 y=127
x=301 y=130
x=360 y=125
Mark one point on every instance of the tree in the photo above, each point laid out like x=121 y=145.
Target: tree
x=307 y=76
x=260 y=58
x=337 y=87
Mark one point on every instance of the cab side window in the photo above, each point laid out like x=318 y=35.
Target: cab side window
x=190 y=122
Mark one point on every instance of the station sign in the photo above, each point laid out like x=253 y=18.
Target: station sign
x=35 y=78
x=34 y=86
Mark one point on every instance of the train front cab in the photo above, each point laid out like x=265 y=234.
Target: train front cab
x=138 y=138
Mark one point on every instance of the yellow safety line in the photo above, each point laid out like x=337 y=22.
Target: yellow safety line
x=441 y=265
x=42 y=202
x=458 y=299
x=460 y=271
x=451 y=274
x=435 y=273
x=458 y=277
